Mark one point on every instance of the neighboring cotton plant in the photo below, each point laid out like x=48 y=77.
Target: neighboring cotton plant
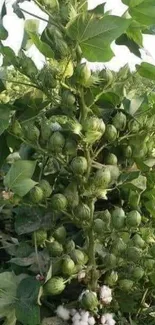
x=105 y=295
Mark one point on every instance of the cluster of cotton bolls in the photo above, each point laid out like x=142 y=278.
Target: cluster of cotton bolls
x=82 y=317
x=77 y=317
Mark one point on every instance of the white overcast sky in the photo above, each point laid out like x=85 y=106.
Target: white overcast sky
x=122 y=54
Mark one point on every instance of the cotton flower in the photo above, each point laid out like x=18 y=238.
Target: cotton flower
x=106 y=294
x=63 y=312
x=107 y=319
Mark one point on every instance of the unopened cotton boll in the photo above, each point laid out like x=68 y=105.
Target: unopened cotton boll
x=106 y=294
x=63 y=312
x=91 y=321
x=107 y=319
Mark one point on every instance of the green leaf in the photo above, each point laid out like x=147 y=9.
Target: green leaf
x=4 y=117
x=146 y=70
x=18 y=177
x=31 y=27
x=4 y=150
x=27 y=310
x=132 y=3
x=99 y=10
x=143 y=12
x=22 y=187
x=134 y=105
x=9 y=315
x=95 y=35
x=133 y=181
x=8 y=287
x=134 y=33
x=130 y=43
x=29 y=219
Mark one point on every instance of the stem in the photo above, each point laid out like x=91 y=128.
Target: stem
x=34 y=15
x=91 y=252
x=21 y=83
x=83 y=107
x=36 y=252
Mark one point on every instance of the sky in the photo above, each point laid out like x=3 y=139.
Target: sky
x=122 y=54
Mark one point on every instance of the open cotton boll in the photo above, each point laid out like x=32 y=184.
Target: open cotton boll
x=73 y=312
x=76 y=322
x=84 y=316
x=106 y=294
x=77 y=316
x=107 y=319
x=63 y=312
x=83 y=323
x=91 y=321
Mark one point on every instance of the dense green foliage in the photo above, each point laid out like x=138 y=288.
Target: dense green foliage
x=77 y=176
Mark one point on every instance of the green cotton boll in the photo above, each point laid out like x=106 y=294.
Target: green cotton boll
x=56 y=142
x=36 y=194
x=119 y=121
x=82 y=212
x=102 y=178
x=55 y=249
x=70 y=147
x=32 y=133
x=83 y=73
x=68 y=99
x=118 y=218
x=94 y=124
x=72 y=195
x=79 y=165
x=54 y=286
x=89 y=300
x=68 y=266
x=133 y=219
x=111 y=278
x=126 y=285
x=133 y=254
x=59 y=202
x=45 y=130
x=111 y=159
x=60 y=234
x=46 y=188
x=110 y=133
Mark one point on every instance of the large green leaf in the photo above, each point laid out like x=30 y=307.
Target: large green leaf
x=31 y=28
x=18 y=179
x=4 y=149
x=29 y=219
x=130 y=43
x=144 y=12
x=95 y=35
x=132 y=3
x=27 y=310
x=8 y=287
x=4 y=117
x=146 y=70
